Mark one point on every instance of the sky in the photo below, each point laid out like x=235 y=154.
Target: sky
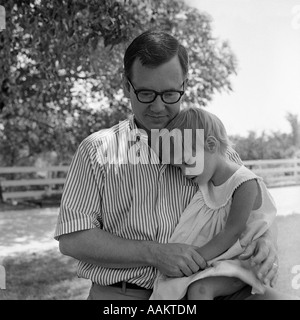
x=265 y=37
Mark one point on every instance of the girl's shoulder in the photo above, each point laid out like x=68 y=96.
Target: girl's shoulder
x=220 y=196
x=243 y=174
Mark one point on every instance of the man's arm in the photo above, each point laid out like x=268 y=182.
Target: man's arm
x=263 y=254
x=101 y=248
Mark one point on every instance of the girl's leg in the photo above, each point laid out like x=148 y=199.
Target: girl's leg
x=211 y=287
x=270 y=294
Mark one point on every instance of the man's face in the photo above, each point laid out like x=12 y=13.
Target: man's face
x=168 y=76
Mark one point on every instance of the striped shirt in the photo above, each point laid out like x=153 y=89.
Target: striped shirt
x=112 y=185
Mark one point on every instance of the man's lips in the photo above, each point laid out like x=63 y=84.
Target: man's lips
x=156 y=116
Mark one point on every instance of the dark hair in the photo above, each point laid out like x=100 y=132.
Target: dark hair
x=154 y=48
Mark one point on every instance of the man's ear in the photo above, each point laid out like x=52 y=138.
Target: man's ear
x=126 y=86
x=211 y=144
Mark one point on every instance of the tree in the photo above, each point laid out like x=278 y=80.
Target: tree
x=276 y=145
x=251 y=147
x=61 y=66
x=295 y=127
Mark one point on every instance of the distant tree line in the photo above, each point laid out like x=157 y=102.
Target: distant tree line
x=276 y=145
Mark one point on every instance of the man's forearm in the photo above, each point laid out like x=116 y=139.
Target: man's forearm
x=271 y=234
x=101 y=248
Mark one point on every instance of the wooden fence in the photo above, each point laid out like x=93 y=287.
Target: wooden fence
x=19 y=183
x=277 y=172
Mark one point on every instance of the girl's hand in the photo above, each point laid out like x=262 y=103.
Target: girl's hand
x=176 y=259
x=263 y=257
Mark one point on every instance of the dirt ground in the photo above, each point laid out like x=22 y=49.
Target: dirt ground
x=27 y=229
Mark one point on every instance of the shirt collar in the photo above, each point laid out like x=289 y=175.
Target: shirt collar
x=140 y=135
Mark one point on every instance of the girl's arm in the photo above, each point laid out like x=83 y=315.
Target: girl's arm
x=242 y=204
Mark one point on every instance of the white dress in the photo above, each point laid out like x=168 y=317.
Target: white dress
x=203 y=218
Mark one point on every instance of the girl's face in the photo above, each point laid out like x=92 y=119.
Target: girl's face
x=200 y=169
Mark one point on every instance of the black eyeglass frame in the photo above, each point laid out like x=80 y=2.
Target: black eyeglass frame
x=161 y=94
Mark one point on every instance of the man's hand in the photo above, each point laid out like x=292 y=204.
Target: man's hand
x=263 y=256
x=177 y=260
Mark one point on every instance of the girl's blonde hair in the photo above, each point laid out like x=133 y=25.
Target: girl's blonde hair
x=198 y=118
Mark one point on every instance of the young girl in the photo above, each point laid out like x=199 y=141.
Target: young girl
x=231 y=209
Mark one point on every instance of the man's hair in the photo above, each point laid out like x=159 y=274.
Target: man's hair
x=198 y=118
x=154 y=48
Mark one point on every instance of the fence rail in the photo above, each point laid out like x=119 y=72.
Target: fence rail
x=19 y=183
x=277 y=172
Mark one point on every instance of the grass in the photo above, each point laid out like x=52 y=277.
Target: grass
x=48 y=275
x=45 y=275
x=35 y=269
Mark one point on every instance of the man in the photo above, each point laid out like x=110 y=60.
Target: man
x=119 y=209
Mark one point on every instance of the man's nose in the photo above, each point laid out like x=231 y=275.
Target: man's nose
x=158 y=104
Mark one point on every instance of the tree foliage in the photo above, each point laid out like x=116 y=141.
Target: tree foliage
x=295 y=128
x=276 y=145
x=61 y=67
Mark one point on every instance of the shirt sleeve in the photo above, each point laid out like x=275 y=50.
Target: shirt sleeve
x=80 y=207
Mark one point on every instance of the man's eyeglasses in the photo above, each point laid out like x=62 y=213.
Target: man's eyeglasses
x=148 y=96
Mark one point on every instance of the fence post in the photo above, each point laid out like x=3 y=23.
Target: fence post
x=50 y=186
x=296 y=169
x=1 y=197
